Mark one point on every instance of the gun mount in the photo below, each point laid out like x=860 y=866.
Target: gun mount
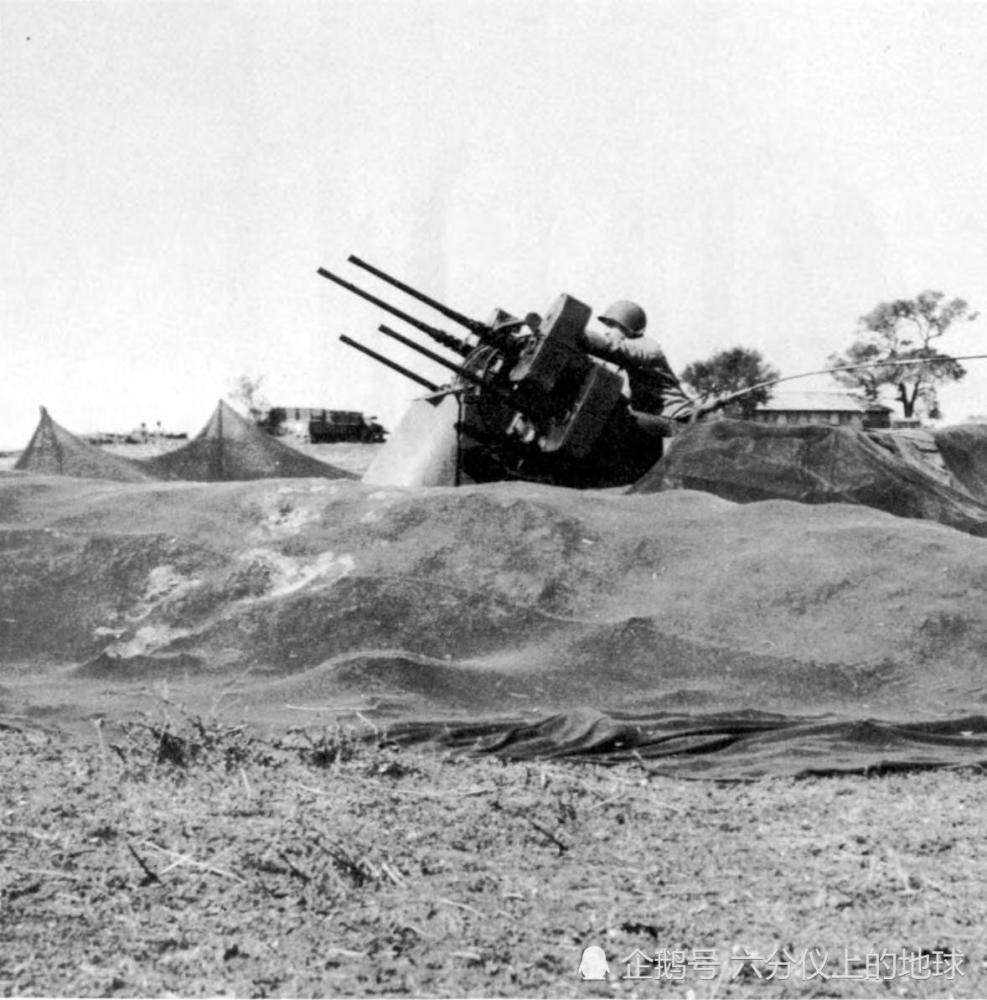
x=529 y=401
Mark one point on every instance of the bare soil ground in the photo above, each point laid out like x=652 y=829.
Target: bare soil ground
x=183 y=857
x=217 y=849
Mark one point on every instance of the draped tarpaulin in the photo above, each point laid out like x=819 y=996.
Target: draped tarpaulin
x=745 y=461
x=963 y=450
x=723 y=746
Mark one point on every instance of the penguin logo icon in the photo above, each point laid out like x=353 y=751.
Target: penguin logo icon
x=593 y=964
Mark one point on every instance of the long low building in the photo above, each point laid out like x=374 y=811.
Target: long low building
x=838 y=409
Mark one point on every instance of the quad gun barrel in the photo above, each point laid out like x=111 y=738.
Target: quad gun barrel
x=460 y=370
x=439 y=336
x=481 y=330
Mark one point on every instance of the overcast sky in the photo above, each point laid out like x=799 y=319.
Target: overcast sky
x=173 y=174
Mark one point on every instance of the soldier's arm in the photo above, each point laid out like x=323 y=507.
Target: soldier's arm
x=603 y=344
x=641 y=354
x=647 y=358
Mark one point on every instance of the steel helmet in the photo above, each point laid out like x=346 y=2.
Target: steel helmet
x=629 y=316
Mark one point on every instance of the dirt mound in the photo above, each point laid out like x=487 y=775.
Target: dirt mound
x=230 y=448
x=964 y=453
x=54 y=451
x=813 y=464
x=508 y=600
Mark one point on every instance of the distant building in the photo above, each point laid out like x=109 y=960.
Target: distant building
x=836 y=409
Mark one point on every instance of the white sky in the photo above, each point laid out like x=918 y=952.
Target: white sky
x=752 y=173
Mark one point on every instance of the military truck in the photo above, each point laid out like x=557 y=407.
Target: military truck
x=330 y=426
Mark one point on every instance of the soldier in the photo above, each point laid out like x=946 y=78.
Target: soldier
x=649 y=376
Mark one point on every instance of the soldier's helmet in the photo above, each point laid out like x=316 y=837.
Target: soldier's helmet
x=629 y=316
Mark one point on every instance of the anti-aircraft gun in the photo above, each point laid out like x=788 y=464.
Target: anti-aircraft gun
x=525 y=401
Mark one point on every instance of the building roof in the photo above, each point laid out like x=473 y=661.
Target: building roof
x=818 y=402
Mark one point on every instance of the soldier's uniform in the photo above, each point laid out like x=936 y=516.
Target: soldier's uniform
x=650 y=379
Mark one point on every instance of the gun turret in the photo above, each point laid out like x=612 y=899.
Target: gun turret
x=532 y=402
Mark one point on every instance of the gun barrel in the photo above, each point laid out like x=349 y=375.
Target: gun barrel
x=473 y=325
x=446 y=339
x=431 y=355
x=431 y=386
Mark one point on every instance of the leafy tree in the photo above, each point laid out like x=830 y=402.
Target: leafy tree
x=904 y=330
x=731 y=371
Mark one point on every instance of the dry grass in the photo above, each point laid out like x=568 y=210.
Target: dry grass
x=187 y=857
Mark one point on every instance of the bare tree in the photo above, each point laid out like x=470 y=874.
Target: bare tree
x=245 y=390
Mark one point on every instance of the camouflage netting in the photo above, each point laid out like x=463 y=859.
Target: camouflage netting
x=745 y=462
x=54 y=451
x=964 y=453
x=232 y=448
x=711 y=638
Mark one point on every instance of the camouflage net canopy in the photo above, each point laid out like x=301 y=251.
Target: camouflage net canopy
x=54 y=451
x=232 y=448
x=745 y=462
